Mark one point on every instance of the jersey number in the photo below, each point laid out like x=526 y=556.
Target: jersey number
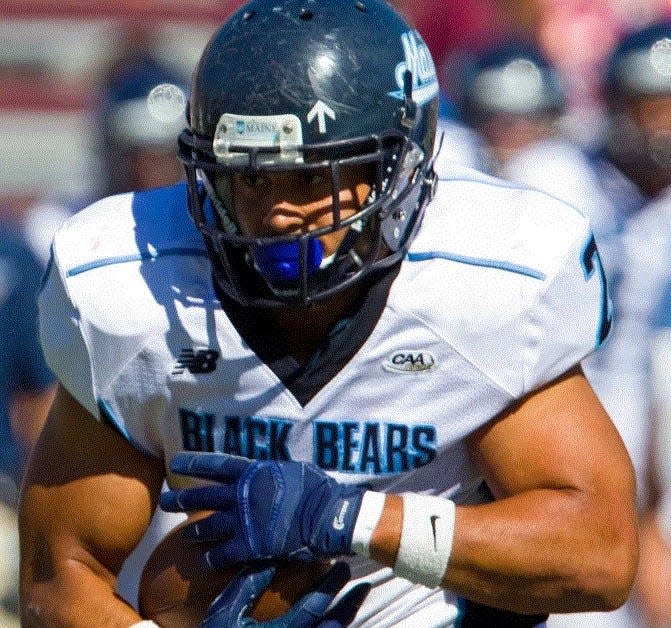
x=591 y=262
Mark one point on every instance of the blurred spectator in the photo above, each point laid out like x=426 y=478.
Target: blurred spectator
x=27 y=387
x=638 y=144
x=652 y=591
x=514 y=98
x=577 y=37
x=135 y=134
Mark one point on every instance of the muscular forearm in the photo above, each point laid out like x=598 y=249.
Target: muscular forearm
x=87 y=501
x=540 y=551
x=73 y=596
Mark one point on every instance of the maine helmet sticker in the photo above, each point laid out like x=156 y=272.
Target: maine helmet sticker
x=419 y=61
x=282 y=131
x=409 y=361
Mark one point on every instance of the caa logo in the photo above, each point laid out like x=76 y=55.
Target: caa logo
x=409 y=361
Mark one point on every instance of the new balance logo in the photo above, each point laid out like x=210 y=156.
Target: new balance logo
x=196 y=362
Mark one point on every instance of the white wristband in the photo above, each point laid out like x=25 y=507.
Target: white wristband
x=366 y=521
x=145 y=623
x=426 y=539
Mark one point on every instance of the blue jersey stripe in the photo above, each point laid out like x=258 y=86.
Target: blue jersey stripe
x=109 y=418
x=136 y=257
x=477 y=261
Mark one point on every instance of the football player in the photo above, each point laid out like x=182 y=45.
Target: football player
x=639 y=72
x=370 y=363
x=654 y=577
x=515 y=98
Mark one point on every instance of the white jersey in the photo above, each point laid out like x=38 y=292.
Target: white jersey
x=611 y=201
x=588 y=182
x=457 y=144
x=501 y=292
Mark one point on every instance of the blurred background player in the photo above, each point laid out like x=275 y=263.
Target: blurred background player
x=640 y=82
x=137 y=145
x=651 y=592
x=457 y=144
x=139 y=151
x=135 y=148
x=511 y=96
x=515 y=99
x=27 y=387
x=638 y=90
x=639 y=144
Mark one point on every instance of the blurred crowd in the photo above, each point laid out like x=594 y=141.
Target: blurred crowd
x=569 y=96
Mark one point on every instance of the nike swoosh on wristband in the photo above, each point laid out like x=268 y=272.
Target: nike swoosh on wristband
x=433 y=520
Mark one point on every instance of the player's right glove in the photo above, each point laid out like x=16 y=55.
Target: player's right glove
x=230 y=608
x=265 y=509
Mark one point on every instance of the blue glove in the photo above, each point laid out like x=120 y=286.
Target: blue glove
x=265 y=509
x=231 y=606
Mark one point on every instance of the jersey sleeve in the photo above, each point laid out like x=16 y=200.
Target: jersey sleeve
x=64 y=346
x=571 y=317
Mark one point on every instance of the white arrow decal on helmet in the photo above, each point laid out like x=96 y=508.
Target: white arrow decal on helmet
x=321 y=110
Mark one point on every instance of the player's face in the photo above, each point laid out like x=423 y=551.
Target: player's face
x=284 y=203
x=507 y=135
x=652 y=116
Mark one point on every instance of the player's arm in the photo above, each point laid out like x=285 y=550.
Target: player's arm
x=560 y=537
x=87 y=500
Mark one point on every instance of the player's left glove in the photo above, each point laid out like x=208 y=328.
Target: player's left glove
x=265 y=509
x=230 y=608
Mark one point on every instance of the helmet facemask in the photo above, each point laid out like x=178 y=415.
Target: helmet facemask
x=291 y=269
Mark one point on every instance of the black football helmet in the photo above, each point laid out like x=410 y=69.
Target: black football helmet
x=640 y=63
x=639 y=70
x=306 y=85
x=512 y=77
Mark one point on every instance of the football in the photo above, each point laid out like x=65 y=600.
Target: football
x=176 y=592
